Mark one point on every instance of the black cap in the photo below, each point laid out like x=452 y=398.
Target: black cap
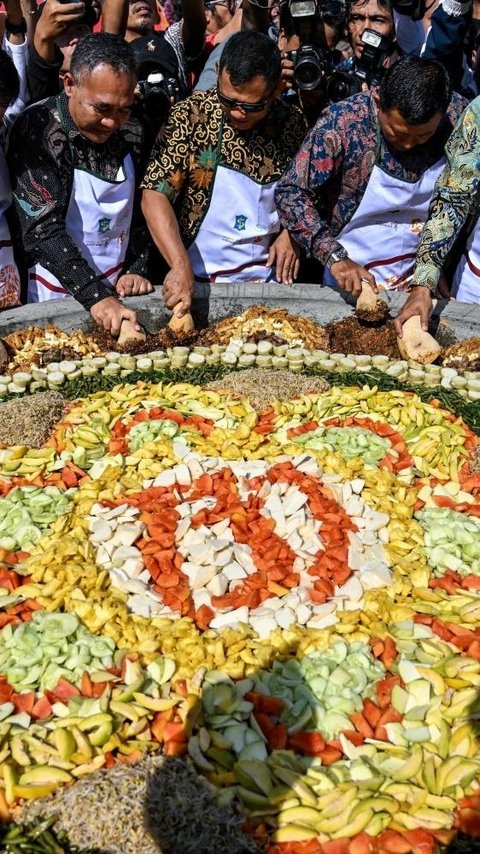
x=154 y=53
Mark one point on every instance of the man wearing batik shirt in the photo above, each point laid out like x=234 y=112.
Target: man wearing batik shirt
x=454 y=211
x=357 y=194
x=75 y=161
x=208 y=192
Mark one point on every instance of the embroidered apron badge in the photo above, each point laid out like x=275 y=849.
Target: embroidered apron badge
x=240 y=222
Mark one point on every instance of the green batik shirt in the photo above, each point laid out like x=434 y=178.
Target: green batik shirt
x=455 y=198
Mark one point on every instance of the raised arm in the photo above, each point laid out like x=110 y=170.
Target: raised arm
x=194 y=26
x=115 y=16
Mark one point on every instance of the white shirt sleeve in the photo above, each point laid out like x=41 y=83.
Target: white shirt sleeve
x=19 y=54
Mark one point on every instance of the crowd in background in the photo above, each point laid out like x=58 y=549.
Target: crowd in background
x=148 y=144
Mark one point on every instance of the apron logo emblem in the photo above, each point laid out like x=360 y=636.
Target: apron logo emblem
x=103 y=226
x=240 y=222
x=151 y=46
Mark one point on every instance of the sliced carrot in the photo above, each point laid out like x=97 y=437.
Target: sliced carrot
x=389 y=716
x=86 y=685
x=277 y=738
x=264 y=703
x=42 y=709
x=329 y=755
x=24 y=702
x=384 y=690
x=390 y=652
x=355 y=737
x=392 y=842
x=175 y=748
x=371 y=712
x=309 y=743
x=361 y=724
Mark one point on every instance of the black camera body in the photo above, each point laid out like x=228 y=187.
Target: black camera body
x=369 y=69
x=158 y=93
x=311 y=62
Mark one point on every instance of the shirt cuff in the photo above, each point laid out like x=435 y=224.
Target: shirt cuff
x=91 y=294
x=455 y=8
x=426 y=276
x=323 y=244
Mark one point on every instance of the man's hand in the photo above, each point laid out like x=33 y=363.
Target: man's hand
x=131 y=285
x=284 y=255
x=350 y=276
x=419 y=302
x=110 y=312
x=178 y=286
x=56 y=18
x=288 y=67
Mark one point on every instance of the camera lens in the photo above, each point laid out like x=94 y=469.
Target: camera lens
x=341 y=85
x=309 y=68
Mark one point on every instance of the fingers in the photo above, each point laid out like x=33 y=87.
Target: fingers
x=424 y=317
x=183 y=306
x=296 y=268
x=398 y=324
x=418 y=303
x=130 y=286
x=117 y=317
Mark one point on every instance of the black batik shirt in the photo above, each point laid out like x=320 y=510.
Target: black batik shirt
x=45 y=148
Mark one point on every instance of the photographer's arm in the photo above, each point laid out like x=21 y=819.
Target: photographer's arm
x=14 y=17
x=56 y=17
x=115 y=16
x=448 y=27
x=194 y=27
x=255 y=17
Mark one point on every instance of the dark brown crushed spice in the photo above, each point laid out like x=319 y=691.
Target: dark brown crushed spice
x=350 y=336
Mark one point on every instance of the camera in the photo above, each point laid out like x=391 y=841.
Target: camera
x=330 y=11
x=158 y=92
x=312 y=62
x=368 y=69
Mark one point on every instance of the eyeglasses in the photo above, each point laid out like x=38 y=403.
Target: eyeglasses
x=241 y=105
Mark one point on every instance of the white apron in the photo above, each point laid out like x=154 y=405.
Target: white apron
x=98 y=221
x=236 y=233
x=466 y=281
x=9 y=277
x=383 y=234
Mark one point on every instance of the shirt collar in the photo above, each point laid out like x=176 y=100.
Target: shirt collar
x=73 y=133
x=71 y=129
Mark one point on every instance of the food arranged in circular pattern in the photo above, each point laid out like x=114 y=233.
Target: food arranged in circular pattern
x=288 y=598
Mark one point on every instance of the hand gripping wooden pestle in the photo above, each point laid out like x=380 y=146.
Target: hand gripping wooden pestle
x=416 y=344
x=369 y=306
x=129 y=335
x=181 y=325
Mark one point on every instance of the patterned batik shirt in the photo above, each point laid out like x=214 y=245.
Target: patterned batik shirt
x=45 y=148
x=323 y=187
x=455 y=199
x=198 y=137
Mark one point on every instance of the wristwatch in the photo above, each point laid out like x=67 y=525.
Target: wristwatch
x=339 y=254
